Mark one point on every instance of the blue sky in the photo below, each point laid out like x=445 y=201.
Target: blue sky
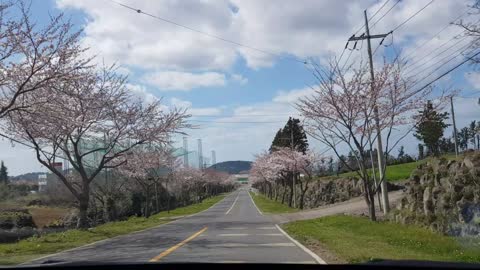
x=219 y=82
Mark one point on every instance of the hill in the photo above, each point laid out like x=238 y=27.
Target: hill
x=232 y=167
x=30 y=177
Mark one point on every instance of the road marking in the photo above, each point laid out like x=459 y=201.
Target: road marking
x=270 y=234
x=172 y=249
x=233 y=234
x=315 y=256
x=265 y=228
x=255 y=204
x=236 y=228
x=233 y=204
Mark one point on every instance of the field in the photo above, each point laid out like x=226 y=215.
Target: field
x=34 y=247
x=357 y=239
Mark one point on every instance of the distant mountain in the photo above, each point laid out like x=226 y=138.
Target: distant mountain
x=232 y=167
x=33 y=176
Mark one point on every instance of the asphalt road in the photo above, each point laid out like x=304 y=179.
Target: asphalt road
x=231 y=231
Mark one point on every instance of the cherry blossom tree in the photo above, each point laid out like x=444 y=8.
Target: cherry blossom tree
x=93 y=121
x=148 y=167
x=32 y=57
x=341 y=111
x=268 y=168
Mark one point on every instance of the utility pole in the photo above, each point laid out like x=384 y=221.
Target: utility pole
x=294 y=173
x=381 y=159
x=454 y=127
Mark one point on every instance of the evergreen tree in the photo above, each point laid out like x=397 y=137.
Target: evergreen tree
x=401 y=153
x=430 y=127
x=283 y=136
x=421 y=153
x=277 y=142
x=3 y=174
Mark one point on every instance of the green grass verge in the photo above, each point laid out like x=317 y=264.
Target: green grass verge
x=357 y=239
x=35 y=247
x=401 y=171
x=270 y=206
x=393 y=172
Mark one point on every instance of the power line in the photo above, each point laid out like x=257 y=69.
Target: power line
x=434 y=70
x=139 y=11
x=29 y=146
x=385 y=14
x=439 y=54
x=245 y=115
x=450 y=70
x=411 y=17
x=237 y=122
x=433 y=51
x=415 y=49
x=359 y=29
x=371 y=17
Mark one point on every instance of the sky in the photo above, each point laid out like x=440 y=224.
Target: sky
x=239 y=97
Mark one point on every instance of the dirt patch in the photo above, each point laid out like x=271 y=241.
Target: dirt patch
x=328 y=256
x=43 y=216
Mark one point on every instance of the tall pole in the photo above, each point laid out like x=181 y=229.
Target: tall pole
x=185 y=148
x=454 y=126
x=293 y=174
x=200 y=154
x=381 y=160
x=214 y=158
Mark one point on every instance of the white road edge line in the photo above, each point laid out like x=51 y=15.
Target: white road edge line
x=311 y=253
x=254 y=203
x=233 y=204
x=122 y=235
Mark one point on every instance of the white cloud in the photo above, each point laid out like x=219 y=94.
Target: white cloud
x=473 y=79
x=141 y=92
x=239 y=79
x=207 y=111
x=183 y=81
x=293 y=95
x=122 y=35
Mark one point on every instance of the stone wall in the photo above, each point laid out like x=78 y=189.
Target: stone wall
x=328 y=191
x=443 y=195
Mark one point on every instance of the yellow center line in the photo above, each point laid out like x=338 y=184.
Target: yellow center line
x=172 y=249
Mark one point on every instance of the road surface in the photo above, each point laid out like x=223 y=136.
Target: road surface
x=231 y=231
x=354 y=206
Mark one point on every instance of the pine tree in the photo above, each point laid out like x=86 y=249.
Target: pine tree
x=283 y=136
x=421 y=153
x=430 y=127
x=3 y=174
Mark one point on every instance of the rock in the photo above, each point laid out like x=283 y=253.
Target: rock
x=15 y=218
x=444 y=196
x=427 y=202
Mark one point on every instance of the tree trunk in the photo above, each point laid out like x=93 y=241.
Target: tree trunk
x=83 y=201
x=284 y=191
x=290 y=201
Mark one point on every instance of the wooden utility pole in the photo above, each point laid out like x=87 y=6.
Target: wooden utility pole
x=454 y=126
x=294 y=173
x=381 y=159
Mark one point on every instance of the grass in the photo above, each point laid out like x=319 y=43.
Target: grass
x=357 y=239
x=35 y=247
x=394 y=172
x=401 y=171
x=270 y=206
